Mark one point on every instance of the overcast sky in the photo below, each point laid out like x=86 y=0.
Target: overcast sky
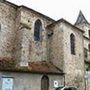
x=56 y=9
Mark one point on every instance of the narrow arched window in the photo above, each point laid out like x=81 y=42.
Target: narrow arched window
x=89 y=33
x=72 y=44
x=45 y=83
x=85 y=53
x=37 y=30
x=89 y=47
x=0 y=27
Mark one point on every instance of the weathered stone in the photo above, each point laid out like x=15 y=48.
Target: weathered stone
x=17 y=42
x=60 y=53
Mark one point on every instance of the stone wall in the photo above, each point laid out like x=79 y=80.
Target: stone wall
x=73 y=64
x=86 y=43
x=17 y=34
x=84 y=27
x=60 y=53
x=33 y=50
x=28 y=81
x=17 y=42
x=55 y=46
x=86 y=46
x=7 y=30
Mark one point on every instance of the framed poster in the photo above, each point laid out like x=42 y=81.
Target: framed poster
x=7 y=83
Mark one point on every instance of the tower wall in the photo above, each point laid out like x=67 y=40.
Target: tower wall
x=7 y=30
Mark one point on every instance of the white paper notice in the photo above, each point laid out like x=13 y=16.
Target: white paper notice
x=7 y=84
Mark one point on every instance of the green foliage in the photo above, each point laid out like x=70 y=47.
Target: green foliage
x=88 y=67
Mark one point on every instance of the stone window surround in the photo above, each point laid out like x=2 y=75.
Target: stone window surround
x=72 y=43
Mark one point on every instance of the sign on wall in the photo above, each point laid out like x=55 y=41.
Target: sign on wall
x=7 y=83
x=55 y=84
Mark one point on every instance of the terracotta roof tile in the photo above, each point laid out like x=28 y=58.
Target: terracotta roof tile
x=45 y=67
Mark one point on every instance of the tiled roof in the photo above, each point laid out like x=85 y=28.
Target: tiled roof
x=45 y=67
x=41 y=67
x=81 y=19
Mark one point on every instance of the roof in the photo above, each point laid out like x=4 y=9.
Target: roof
x=34 y=11
x=86 y=38
x=64 y=21
x=11 y=4
x=45 y=67
x=39 y=67
x=81 y=19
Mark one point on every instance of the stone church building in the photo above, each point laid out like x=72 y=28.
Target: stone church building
x=39 y=53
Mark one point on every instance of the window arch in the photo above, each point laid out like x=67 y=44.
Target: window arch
x=89 y=33
x=89 y=47
x=85 y=53
x=72 y=44
x=45 y=83
x=37 y=30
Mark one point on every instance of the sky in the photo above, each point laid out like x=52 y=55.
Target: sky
x=56 y=9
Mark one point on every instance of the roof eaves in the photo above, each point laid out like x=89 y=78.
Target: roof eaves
x=33 y=72
x=48 y=18
x=86 y=38
x=64 y=21
x=45 y=67
x=57 y=67
x=11 y=4
x=16 y=6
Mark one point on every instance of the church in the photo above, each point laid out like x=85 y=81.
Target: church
x=39 y=53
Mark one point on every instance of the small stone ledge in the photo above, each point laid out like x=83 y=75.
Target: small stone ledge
x=23 y=25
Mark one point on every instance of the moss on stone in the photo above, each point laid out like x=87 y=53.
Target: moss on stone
x=88 y=67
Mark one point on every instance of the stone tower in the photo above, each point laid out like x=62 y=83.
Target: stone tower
x=83 y=24
x=7 y=30
x=66 y=52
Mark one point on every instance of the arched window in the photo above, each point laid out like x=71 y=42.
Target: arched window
x=85 y=53
x=89 y=33
x=37 y=30
x=89 y=47
x=72 y=42
x=0 y=27
x=45 y=83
